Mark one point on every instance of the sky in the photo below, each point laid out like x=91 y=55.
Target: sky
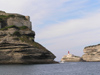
x=60 y=25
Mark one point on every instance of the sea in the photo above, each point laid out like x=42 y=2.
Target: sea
x=68 y=68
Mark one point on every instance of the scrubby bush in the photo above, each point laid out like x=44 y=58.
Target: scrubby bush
x=27 y=40
x=3 y=16
x=16 y=33
x=12 y=26
x=5 y=28
x=11 y=15
x=23 y=27
x=20 y=16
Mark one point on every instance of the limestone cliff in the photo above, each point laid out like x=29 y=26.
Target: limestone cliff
x=7 y=19
x=71 y=58
x=92 y=53
x=17 y=44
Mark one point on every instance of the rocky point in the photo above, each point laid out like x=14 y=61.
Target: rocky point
x=71 y=58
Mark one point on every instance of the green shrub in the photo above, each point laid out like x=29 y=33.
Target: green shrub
x=3 y=16
x=35 y=44
x=23 y=27
x=5 y=28
x=11 y=16
x=21 y=16
x=12 y=26
x=16 y=33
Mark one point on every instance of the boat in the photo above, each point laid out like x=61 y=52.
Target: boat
x=62 y=62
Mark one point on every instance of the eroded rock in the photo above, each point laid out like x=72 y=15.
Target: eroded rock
x=92 y=53
x=17 y=42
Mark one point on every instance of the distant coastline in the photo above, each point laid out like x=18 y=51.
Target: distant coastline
x=91 y=54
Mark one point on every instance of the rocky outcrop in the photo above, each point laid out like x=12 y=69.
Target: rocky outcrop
x=92 y=53
x=71 y=58
x=17 y=43
x=7 y=19
x=15 y=48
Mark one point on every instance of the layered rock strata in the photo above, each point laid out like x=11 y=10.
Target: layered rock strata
x=92 y=53
x=17 y=42
x=15 y=48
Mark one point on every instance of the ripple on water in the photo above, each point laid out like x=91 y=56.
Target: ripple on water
x=68 y=68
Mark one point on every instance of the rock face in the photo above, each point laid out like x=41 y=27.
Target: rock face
x=71 y=58
x=7 y=19
x=92 y=53
x=17 y=44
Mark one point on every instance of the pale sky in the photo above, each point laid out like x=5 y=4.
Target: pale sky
x=60 y=25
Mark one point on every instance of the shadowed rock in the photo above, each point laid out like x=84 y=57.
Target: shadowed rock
x=17 y=42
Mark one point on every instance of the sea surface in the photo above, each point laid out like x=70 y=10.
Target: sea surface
x=68 y=68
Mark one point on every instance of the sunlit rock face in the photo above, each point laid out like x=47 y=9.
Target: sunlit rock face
x=71 y=58
x=92 y=53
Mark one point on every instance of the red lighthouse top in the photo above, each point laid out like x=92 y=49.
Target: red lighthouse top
x=68 y=52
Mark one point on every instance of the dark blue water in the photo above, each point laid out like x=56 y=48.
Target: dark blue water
x=69 y=68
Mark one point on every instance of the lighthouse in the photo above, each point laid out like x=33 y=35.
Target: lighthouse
x=69 y=55
x=68 y=52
